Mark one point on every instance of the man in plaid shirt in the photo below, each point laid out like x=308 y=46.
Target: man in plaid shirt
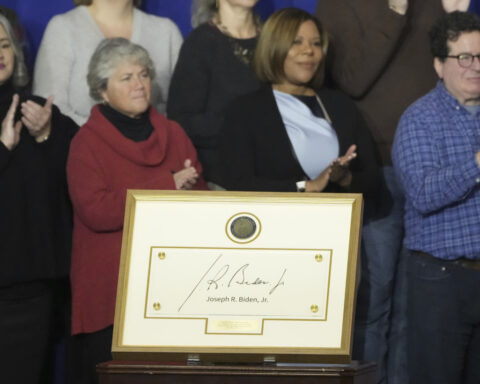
x=436 y=154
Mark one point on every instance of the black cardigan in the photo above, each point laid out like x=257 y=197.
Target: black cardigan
x=257 y=153
x=36 y=217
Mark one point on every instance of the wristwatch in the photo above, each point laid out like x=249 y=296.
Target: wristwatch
x=301 y=186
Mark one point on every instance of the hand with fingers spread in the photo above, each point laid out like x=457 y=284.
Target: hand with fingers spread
x=37 y=119
x=187 y=177
x=340 y=172
x=320 y=182
x=10 y=134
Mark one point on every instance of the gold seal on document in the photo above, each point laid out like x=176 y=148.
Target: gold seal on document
x=243 y=227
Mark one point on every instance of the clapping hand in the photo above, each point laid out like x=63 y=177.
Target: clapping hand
x=37 y=119
x=187 y=177
x=10 y=134
x=340 y=172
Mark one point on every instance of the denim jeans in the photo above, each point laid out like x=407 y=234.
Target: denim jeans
x=381 y=244
x=444 y=322
x=397 y=367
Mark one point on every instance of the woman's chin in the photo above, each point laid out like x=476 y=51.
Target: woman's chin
x=134 y=111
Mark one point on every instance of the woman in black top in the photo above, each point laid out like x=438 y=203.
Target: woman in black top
x=213 y=69
x=290 y=134
x=35 y=220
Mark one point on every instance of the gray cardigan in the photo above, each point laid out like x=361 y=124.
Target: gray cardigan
x=70 y=40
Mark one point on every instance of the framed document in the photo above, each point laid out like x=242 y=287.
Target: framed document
x=237 y=276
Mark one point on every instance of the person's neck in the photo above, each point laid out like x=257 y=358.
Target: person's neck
x=239 y=21
x=293 y=89
x=471 y=102
x=114 y=17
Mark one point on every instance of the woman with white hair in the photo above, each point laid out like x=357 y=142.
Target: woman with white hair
x=125 y=144
x=71 y=38
x=213 y=69
x=35 y=220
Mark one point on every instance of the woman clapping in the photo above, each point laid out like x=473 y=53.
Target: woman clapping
x=35 y=221
x=125 y=144
x=290 y=134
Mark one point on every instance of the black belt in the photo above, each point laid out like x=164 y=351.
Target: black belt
x=461 y=262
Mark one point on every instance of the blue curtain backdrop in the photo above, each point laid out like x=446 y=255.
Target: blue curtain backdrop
x=35 y=14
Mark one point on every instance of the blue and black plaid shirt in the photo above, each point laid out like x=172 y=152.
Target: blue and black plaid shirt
x=434 y=155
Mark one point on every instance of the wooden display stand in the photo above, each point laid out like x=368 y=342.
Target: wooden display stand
x=117 y=372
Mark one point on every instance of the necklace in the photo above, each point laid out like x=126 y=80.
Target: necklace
x=244 y=54
x=324 y=110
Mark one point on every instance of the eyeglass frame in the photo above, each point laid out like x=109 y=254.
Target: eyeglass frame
x=469 y=55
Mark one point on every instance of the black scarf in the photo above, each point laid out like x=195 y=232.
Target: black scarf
x=138 y=129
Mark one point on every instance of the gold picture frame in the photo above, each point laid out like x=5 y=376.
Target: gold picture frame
x=237 y=277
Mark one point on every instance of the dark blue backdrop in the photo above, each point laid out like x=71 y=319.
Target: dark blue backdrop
x=35 y=14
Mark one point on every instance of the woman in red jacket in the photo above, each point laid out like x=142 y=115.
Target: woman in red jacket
x=124 y=144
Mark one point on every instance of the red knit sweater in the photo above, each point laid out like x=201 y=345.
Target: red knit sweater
x=101 y=166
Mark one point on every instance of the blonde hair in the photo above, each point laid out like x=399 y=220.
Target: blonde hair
x=20 y=76
x=276 y=39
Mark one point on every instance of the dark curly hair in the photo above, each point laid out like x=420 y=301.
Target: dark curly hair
x=449 y=28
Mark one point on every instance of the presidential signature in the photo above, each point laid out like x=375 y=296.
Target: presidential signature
x=227 y=277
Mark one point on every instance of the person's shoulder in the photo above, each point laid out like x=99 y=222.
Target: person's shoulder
x=73 y=16
x=67 y=24
x=425 y=108
x=203 y=34
x=334 y=96
x=167 y=128
x=82 y=141
x=161 y=121
x=252 y=103
x=89 y=130
x=148 y=20
x=424 y=115
x=202 y=43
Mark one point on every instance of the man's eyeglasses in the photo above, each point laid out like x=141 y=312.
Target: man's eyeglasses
x=465 y=60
